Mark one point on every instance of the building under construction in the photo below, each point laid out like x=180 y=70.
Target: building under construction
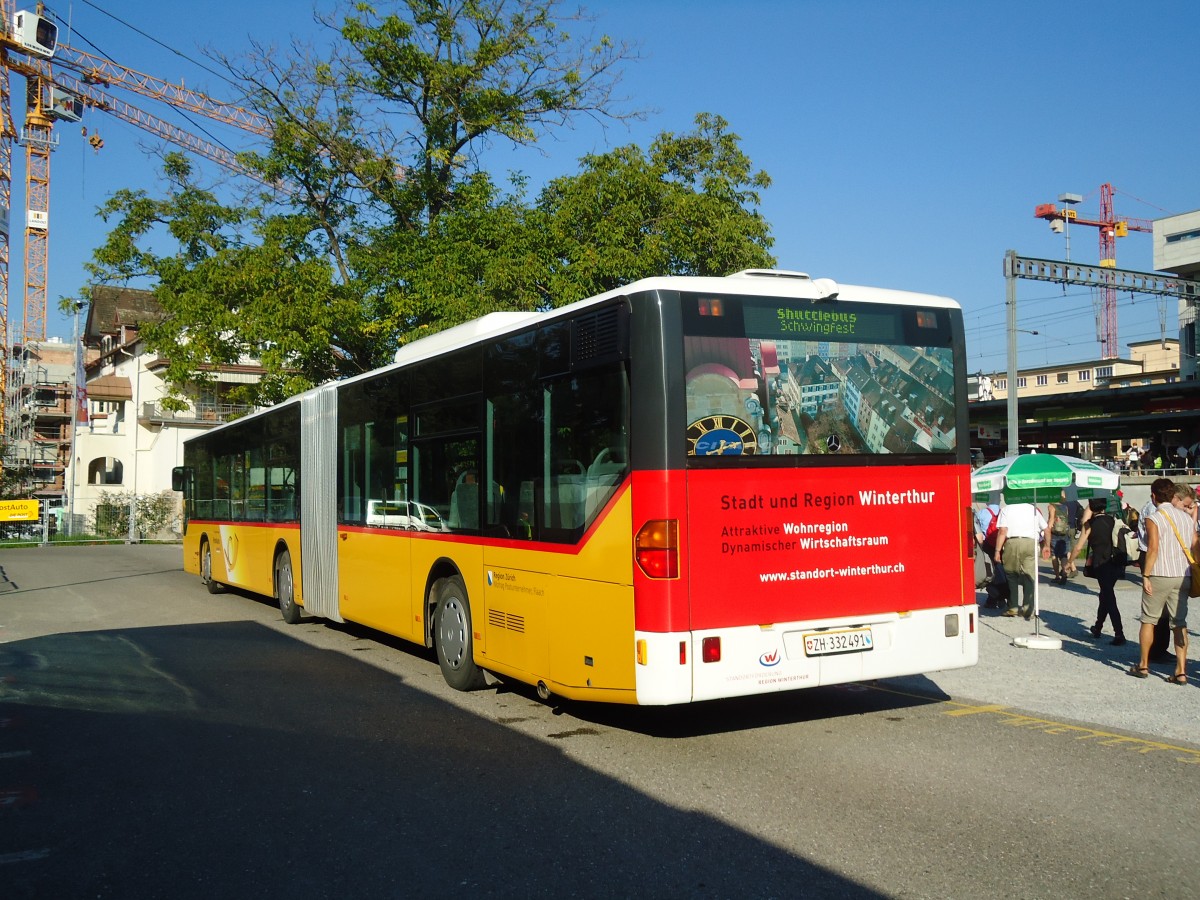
x=41 y=379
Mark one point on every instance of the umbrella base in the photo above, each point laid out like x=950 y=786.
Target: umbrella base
x=1037 y=642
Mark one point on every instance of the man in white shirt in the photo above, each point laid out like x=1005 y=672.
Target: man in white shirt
x=1019 y=532
x=1135 y=459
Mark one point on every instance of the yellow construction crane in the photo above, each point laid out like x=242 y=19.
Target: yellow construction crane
x=61 y=83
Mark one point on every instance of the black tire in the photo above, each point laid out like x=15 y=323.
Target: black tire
x=214 y=587
x=285 y=589
x=452 y=635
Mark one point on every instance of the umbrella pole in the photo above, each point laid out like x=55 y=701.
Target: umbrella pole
x=1037 y=580
x=1035 y=641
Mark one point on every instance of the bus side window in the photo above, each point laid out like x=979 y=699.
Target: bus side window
x=514 y=457
x=464 y=503
x=588 y=441
x=445 y=480
x=372 y=451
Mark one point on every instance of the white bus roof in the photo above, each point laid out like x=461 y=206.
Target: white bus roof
x=760 y=282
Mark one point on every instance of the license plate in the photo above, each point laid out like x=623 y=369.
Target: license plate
x=850 y=640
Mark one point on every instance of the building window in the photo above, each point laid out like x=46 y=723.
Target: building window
x=1063 y=377
x=1083 y=375
x=1002 y=384
x=1104 y=372
x=1043 y=380
x=1020 y=382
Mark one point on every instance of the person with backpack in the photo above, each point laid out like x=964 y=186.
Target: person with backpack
x=1107 y=542
x=987 y=521
x=1059 y=519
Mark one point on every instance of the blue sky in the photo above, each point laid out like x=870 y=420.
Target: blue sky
x=908 y=141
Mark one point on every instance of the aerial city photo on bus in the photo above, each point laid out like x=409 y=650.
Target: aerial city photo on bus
x=680 y=490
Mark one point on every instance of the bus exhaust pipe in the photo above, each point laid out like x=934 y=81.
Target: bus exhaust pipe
x=543 y=691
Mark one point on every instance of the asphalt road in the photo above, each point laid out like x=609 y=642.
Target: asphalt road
x=156 y=741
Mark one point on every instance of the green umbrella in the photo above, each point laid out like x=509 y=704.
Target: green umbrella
x=1039 y=477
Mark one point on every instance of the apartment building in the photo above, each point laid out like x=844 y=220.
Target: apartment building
x=1149 y=362
x=1177 y=250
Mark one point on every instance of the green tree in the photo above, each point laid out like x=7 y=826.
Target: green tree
x=687 y=207
x=374 y=161
x=243 y=284
x=15 y=480
x=379 y=225
x=465 y=73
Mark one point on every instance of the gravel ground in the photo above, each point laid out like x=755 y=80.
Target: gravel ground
x=1086 y=680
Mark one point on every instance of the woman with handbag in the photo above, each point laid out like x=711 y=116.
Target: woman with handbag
x=1104 y=563
x=1171 y=546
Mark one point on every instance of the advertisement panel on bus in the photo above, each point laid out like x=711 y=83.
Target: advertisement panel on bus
x=798 y=544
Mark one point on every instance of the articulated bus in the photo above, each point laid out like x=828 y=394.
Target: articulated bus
x=686 y=489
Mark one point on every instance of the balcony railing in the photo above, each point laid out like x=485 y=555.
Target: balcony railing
x=203 y=414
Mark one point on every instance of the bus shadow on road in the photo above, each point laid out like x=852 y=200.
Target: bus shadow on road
x=821 y=704
x=224 y=759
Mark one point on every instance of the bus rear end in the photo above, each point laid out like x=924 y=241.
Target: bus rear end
x=810 y=523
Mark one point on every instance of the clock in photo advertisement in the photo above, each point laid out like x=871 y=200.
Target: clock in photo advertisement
x=721 y=435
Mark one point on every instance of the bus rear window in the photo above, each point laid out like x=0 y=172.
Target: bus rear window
x=770 y=376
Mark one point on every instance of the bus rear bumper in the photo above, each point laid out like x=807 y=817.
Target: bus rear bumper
x=760 y=659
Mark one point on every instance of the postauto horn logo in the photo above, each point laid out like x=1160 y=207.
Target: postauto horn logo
x=770 y=659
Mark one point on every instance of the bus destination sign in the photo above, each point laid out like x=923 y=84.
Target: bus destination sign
x=822 y=323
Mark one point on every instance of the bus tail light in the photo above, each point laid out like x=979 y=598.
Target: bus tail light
x=657 y=548
x=642 y=655
x=710 y=649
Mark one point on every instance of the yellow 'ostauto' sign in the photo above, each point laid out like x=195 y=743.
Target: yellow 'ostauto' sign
x=18 y=510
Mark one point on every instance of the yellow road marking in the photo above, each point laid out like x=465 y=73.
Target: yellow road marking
x=1189 y=755
x=972 y=710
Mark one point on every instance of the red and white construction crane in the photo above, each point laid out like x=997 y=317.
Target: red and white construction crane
x=1111 y=227
x=61 y=83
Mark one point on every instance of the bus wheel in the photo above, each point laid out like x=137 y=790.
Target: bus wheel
x=452 y=635
x=285 y=589
x=206 y=569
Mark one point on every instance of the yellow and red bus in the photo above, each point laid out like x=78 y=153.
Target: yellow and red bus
x=685 y=489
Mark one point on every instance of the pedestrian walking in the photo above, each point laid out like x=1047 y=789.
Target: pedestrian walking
x=1020 y=530
x=1059 y=521
x=987 y=521
x=1106 y=563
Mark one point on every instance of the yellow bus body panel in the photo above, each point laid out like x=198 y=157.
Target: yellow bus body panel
x=243 y=556
x=563 y=616
x=375 y=587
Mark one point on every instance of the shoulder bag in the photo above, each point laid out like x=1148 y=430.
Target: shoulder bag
x=1194 y=584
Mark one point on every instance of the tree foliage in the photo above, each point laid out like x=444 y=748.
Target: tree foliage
x=242 y=287
x=15 y=480
x=687 y=207
x=379 y=223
